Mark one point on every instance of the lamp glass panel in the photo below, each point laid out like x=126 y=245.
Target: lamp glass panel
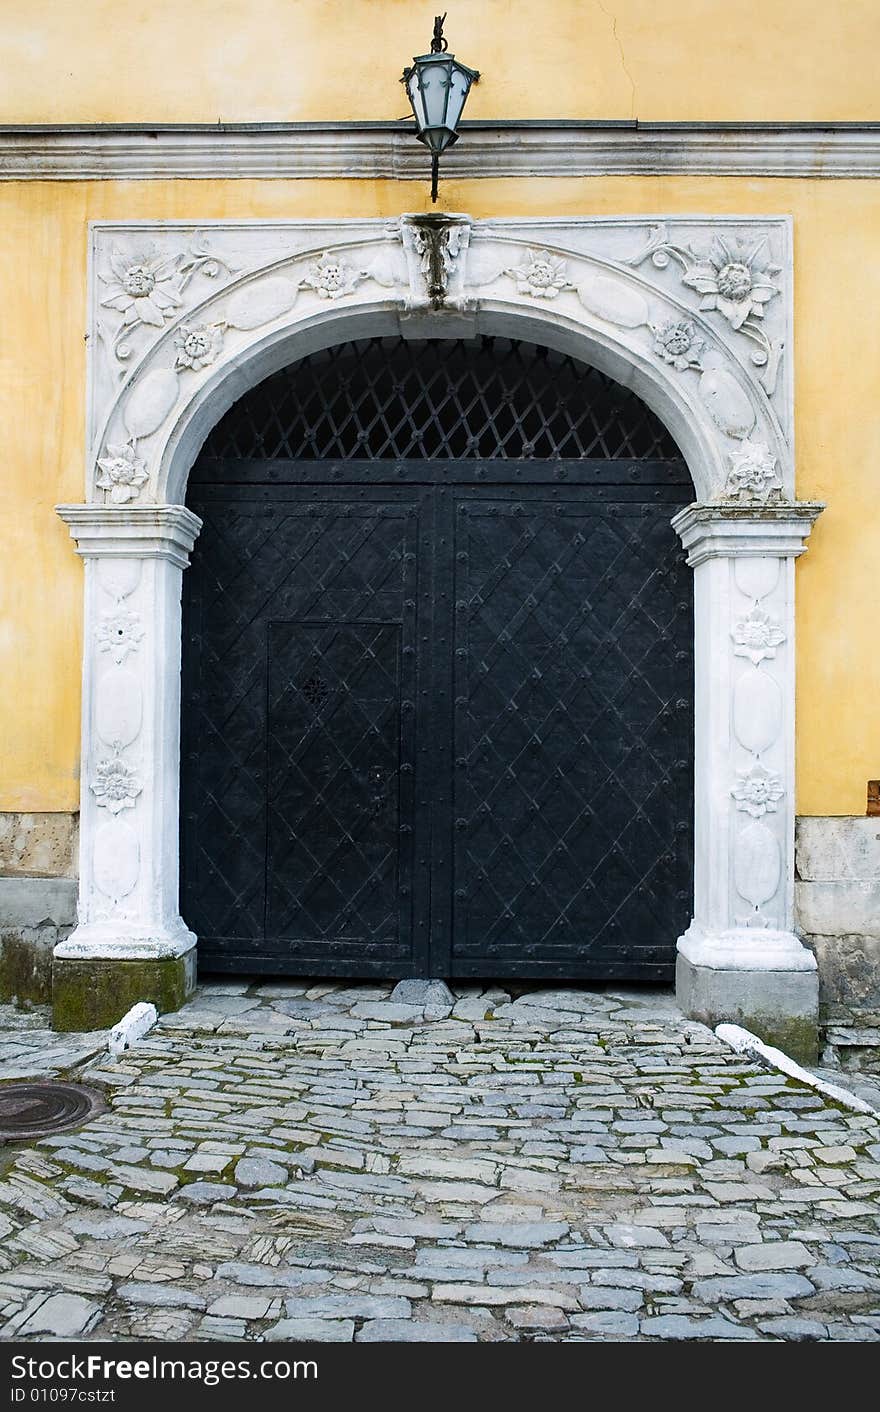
x=416 y=98
x=459 y=84
x=435 y=81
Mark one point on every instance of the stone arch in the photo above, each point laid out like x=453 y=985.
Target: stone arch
x=255 y=298
x=607 y=314
x=289 y=345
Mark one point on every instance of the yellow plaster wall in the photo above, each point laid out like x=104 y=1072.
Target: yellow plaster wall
x=42 y=375
x=312 y=60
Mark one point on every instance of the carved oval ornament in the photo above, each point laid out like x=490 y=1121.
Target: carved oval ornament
x=757 y=865
x=150 y=402
x=261 y=302
x=119 y=577
x=118 y=707
x=613 y=301
x=756 y=576
x=727 y=404
x=117 y=859
x=388 y=270
x=757 y=710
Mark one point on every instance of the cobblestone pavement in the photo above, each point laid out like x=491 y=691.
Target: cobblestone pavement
x=297 y=1161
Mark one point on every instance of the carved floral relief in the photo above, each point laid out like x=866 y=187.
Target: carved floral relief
x=146 y=284
x=752 y=474
x=756 y=635
x=121 y=472
x=140 y=284
x=119 y=632
x=757 y=705
x=676 y=341
x=541 y=275
x=331 y=277
x=115 y=784
x=117 y=716
x=758 y=790
x=145 y=281
x=198 y=346
x=734 y=278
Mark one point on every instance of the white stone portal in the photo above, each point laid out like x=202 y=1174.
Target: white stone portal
x=694 y=315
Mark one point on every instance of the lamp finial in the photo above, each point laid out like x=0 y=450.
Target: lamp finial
x=439 y=45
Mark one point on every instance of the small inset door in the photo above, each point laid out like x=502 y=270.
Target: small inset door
x=335 y=872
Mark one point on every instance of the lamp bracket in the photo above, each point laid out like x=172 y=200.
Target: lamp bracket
x=436 y=239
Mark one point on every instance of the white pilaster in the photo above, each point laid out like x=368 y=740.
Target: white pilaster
x=743 y=562
x=128 y=889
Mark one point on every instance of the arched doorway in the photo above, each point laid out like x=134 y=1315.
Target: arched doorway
x=438 y=672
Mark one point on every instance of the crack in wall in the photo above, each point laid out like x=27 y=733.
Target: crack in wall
x=617 y=40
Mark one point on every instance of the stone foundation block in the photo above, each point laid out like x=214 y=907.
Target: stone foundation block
x=38 y=845
x=94 y=995
x=849 y=972
x=35 y=914
x=780 y=1007
x=837 y=903
x=26 y=964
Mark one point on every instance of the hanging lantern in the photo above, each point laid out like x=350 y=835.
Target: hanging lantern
x=438 y=86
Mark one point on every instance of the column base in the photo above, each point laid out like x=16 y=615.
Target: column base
x=97 y=975
x=765 y=981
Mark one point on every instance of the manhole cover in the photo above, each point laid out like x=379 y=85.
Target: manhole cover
x=37 y=1109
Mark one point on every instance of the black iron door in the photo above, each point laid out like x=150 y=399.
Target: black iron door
x=299 y=733
x=572 y=721
x=437 y=707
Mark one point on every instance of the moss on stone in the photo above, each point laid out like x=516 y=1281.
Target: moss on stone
x=797 y=1036
x=93 y=995
x=25 y=969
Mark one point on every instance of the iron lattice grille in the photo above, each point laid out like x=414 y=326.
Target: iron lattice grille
x=392 y=398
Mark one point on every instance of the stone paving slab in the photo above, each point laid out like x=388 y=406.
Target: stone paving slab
x=290 y=1160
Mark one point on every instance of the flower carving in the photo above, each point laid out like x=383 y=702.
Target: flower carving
x=331 y=278
x=146 y=285
x=197 y=346
x=752 y=471
x=139 y=285
x=119 y=632
x=676 y=341
x=731 y=277
x=543 y=275
x=122 y=472
x=732 y=280
x=116 y=785
x=758 y=791
x=756 y=636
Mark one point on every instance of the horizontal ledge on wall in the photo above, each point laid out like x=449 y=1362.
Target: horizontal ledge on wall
x=388 y=150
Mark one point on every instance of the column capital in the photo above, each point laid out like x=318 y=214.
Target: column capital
x=728 y=531
x=132 y=531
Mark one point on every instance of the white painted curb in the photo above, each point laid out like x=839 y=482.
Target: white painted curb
x=133 y=1026
x=744 y=1042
